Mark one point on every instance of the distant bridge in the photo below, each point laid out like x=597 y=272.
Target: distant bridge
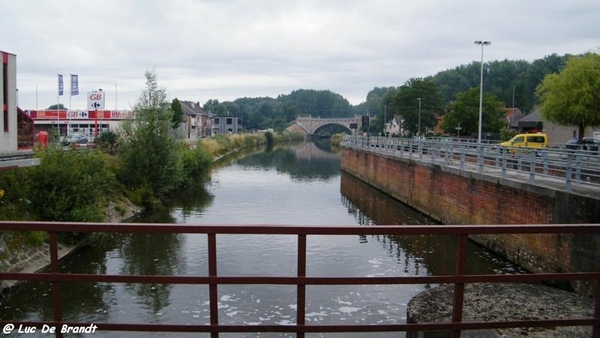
x=309 y=125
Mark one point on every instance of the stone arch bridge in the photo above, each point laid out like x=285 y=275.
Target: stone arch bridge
x=309 y=125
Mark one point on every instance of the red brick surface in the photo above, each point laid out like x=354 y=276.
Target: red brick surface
x=454 y=198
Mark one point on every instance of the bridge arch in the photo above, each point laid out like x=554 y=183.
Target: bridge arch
x=309 y=125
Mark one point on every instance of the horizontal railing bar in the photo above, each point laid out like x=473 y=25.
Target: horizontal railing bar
x=270 y=280
x=300 y=229
x=297 y=230
x=320 y=328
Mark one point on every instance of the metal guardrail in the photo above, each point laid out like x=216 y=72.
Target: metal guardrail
x=569 y=166
x=301 y=280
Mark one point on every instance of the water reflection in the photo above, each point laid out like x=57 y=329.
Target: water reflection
x=437 y=253
x=306 y=162
x=297 y=185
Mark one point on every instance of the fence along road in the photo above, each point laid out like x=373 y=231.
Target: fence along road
x=575 y=171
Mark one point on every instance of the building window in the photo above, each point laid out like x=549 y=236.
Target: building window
x=217 y=120
x=5 y=91
x=229 y=120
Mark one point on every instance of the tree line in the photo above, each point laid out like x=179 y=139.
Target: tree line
x=265 y=112
x=507 y=83
x=454 y=94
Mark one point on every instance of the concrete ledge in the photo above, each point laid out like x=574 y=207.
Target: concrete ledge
x=496 y=302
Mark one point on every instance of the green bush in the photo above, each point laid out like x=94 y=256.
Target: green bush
x=14 y=204
x=69 y=185
x=107 y=142
x=196 y=166
x=269 y=137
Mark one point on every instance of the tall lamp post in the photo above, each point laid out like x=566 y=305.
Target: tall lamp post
x=482 y=43
x=419 y=127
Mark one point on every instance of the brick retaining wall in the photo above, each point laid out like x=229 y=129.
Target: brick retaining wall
x=452 y=196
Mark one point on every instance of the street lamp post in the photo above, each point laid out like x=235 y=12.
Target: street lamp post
x=482 y=43
x=419 y=127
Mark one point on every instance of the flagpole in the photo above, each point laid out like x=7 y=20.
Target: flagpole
x=57 y=107
x=70 y=91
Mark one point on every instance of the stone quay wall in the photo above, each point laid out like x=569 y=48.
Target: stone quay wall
x=452 y=196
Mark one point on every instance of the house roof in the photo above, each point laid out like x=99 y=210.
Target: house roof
x=532 y=120
x=398 y=119
x=192 y=108
x=513 y=115
x=535 y=115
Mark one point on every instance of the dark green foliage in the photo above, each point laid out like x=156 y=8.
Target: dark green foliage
x=465 y=110
x=196 y=166
x=13 y=195
x=264 y=112
x=269 y=137
x=154 y=163
x=107 y=142
x=406 y=102
x=57 y=107
x=323 y=103
x=380 y=104
x=508 y=80
x=177 y=113
x=150 y=156
x=571 y=96
x=69 y=185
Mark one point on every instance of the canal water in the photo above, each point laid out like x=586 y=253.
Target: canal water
x=296 y=185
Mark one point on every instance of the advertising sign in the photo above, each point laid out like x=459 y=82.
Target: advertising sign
x=95 y=100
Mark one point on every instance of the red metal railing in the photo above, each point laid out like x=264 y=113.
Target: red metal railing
x=459 y=279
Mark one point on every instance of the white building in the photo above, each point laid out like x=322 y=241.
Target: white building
x=8 y=97
x=395 y=126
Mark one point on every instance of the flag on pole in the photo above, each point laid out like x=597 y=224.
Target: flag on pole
x=74 y=85
x=60 y=85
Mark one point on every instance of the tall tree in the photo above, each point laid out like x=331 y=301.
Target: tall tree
x=465 y=111
x=177 y=112
x=572 y=97
x=380 y=104
x=411 y=94
x=59 y=106
x=149 y=152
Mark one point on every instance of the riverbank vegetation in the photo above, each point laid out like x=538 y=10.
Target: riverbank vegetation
x=220 y=145
x=144 y=162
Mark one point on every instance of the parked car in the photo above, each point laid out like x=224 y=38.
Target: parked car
x=77 y=141
x=536 y=141
x=586 y=144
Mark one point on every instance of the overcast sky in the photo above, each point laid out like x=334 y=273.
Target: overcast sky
x=226 y=49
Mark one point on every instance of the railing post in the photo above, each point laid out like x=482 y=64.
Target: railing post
x=532 y=167
x=545 y=161
x=504 y=161
x=480 y=158
x=301 y=292
x=212 y=288
x=55 y=285
x=568 y=173
x=596 y=328
x=462 y=157
x=459 y=288
x=578 y=167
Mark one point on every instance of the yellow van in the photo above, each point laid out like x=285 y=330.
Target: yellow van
x=535 y=141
